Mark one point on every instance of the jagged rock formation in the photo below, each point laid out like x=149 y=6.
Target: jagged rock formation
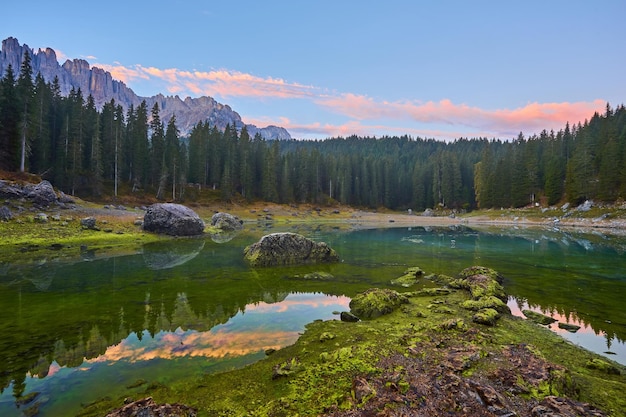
x=77 y=73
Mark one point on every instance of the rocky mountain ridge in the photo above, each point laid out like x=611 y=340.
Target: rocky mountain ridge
x=77 y=73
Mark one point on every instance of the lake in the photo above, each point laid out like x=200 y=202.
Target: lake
x=76 y=331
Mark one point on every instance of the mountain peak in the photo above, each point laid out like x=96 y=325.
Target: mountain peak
x=77 y=73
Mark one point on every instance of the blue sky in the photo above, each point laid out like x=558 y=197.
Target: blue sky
x=444 y=69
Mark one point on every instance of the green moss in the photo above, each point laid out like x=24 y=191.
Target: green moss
x=603 y=366
x=410 y=277
x=485 y=302
x=376 y=302
x=431 y=292
x=487 y=316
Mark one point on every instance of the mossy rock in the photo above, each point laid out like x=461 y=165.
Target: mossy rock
x=288 y=249
x=538 y=317
x=487 y=316
x=486 y=302
x=481 y=282
x=376 y=302
x=431 y=292
x=410 y=277
x=603 y=366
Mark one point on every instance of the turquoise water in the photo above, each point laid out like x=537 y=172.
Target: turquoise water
x=74 y=332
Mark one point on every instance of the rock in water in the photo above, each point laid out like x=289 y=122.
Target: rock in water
x=288 y=249
x=226 y=222
x=172 y=219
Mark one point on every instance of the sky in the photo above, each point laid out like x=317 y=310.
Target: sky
x=429 y=69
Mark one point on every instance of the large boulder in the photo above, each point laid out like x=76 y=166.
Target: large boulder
x=226 y=222
x=288 y=249
x=42 y=194
x=172 y=219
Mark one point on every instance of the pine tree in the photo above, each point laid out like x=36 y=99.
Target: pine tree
x=9 y=120
x=25 y=90
x=41 y=154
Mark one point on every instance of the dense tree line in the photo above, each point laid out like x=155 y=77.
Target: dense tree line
x=86 y=151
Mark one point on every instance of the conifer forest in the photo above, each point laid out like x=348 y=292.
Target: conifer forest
x=93 y=152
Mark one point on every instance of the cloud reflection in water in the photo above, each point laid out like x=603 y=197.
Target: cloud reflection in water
x=261 y=326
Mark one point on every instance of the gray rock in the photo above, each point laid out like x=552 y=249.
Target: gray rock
x=88 y=223
x=428 y=213
x=5 y=214
x=288 y=249
x=42 y=194
x=586 y=206
x=226 y=222
x=10 y=191
x=65 y=199
x=172 y=219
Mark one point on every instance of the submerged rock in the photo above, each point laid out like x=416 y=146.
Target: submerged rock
x=172 y=219
x=288 y=249
x=572 y=328
x=538 y=317
x=376 y=302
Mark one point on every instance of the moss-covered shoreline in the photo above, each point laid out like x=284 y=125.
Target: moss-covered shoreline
x=429 y=356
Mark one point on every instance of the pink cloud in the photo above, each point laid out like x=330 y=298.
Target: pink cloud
x=356 y=127
x=386 y=117
x=124 y=74
x=529 y=118
x=221 y=83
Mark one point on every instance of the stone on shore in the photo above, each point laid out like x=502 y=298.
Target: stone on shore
x=172 y=219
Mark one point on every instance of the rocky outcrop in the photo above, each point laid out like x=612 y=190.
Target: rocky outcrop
x=288 y=249
x=226 y=222
x=41 y=194
x=98 y=83
x=172 y=219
